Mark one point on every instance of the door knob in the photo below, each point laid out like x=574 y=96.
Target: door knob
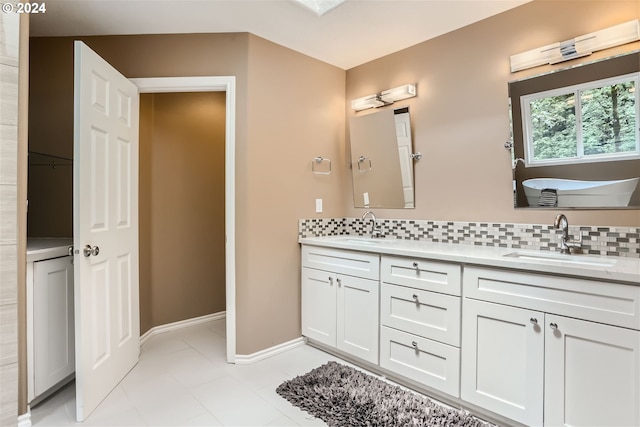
x=89 y=250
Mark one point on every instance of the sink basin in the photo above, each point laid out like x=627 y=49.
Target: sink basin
x=585 y=260
x=365 y=240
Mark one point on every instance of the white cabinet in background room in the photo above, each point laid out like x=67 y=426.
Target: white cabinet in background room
x=51 y=343
x=340 y=292
x=420 y=321
x=550 y=350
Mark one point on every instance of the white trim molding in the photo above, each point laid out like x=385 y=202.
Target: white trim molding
x=179 y=325
x=214 y=84
x=24 y=420
x=246 y=359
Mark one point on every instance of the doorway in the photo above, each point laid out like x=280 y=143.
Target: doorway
x=213 y=84
x=181 y=207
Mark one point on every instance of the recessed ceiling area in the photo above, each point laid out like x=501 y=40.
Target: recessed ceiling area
x=345 y=35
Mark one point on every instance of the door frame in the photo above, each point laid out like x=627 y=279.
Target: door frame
x=214 y=84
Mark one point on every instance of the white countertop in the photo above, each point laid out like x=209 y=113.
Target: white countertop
x=39 y=249
x=619 y=269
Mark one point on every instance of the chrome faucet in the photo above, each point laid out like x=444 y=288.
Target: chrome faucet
x=562 y=223
x=375 y=231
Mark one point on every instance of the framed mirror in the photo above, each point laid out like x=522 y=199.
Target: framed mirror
x=381 y=159
x=576 y=136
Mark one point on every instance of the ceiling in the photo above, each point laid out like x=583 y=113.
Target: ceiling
x=353 y=33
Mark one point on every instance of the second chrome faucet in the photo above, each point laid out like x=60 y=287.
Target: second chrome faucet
x=561 y=223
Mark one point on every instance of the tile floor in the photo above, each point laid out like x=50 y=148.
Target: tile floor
x=182 y=379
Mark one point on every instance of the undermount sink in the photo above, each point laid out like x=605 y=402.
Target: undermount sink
x=365 y=240
x=585 y=260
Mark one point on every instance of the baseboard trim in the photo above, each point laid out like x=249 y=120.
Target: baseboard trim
x=246 y=359
x=180 y=324
x=240 y=359
x=24 y=420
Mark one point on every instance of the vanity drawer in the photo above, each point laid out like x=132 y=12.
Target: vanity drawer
x=427 y=314
x=428 y=362
x=421 y=274
x=353 y=263
x=604 y=302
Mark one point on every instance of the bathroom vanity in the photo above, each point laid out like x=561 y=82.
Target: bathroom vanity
x=523 y=337
x=50 y=327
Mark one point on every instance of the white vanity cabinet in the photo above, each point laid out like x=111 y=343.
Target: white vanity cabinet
x=420 y=321
x=502 y=360
x=50 y=324
x=340 y=297
x=592 y=374
x=542 y=349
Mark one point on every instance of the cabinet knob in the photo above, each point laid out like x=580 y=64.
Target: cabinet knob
x=415 y=265
x=553 y=326
x=415 y=297
x=330 y=280
x=414 y=344
x=534 y=320
x=339 y=282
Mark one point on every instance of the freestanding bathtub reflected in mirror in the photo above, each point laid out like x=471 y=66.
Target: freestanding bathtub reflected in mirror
x=570 y=193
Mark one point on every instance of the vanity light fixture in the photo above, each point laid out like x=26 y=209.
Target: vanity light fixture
x=385 y=97
x=578 y=47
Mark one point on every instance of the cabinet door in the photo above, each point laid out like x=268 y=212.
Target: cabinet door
x=53 y=327
x=592 y=374
x=503 y=360
x=357 y=320
x=319 y=306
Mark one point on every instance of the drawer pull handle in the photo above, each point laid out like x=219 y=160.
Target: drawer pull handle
x=534 y=320
x=553 y=326
x=414 y=344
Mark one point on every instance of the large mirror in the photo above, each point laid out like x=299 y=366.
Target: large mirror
x=576 y=137
x=381 y=159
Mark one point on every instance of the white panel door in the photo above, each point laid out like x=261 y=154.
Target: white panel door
x=403 y=137
x=105 y=194
x=503 y=360
x=357 y=317
x=592 y=374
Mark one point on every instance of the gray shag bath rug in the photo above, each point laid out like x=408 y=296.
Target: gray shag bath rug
x=342 y=396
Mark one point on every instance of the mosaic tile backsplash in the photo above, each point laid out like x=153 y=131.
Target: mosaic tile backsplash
x=611 y=241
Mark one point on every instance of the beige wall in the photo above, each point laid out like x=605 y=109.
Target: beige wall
x=182 y=247
x=295 y=112
x=289 y=109
x=460 y=116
